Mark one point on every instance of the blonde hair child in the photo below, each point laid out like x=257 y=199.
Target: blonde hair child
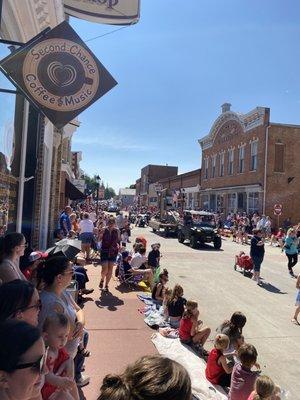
x=218 y=371
x=265 y=389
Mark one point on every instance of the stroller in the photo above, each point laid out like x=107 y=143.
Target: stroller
x=244 y=263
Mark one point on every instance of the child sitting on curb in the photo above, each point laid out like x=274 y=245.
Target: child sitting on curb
x=175 y=306
x=217 y=369
x=190 y=332
x=243 y=378
x=265 y=389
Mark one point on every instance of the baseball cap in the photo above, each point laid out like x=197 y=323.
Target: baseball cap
x=37 y=255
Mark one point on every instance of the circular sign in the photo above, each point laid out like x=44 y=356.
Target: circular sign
x=277 y=209
x=61 y=75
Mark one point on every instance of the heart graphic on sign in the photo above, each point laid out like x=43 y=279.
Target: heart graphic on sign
x=61 y=75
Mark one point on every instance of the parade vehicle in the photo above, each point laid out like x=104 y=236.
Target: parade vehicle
x=141 y=220
x=199 y=227
x=113 y=208
x=168 y=223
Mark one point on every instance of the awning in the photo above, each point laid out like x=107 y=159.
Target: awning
x=72 y=192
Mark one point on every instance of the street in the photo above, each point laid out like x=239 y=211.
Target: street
x=208 y=276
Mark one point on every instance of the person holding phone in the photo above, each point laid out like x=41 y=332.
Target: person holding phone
x=257 y=253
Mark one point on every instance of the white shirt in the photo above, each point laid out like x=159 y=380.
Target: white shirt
x=86 y=225
x=120 y=221
x=137 y=260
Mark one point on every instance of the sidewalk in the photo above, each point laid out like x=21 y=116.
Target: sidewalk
x=118 y=334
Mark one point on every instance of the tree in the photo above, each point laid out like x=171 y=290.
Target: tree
x=109 y=193
x=91 y=184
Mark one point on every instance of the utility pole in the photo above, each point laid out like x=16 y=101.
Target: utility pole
x=98 y=180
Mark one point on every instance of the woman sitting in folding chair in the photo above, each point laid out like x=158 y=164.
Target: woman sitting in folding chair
x=135 y=269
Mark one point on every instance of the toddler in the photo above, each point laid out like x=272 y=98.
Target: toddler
x=218 y=371
x=265 y=389
x=243 y=378
x=56 y=331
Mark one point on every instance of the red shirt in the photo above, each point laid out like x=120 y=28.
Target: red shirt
x=53 y=366
x=213 y=370
x=185 y=328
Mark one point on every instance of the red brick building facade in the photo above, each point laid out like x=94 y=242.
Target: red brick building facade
x=250 y=164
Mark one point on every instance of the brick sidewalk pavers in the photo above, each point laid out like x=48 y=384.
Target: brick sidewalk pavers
x=118 y=334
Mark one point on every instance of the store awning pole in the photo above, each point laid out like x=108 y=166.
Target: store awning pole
x=22 y=167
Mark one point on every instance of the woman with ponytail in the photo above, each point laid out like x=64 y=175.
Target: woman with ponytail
x=149 y=378
x=12 y=247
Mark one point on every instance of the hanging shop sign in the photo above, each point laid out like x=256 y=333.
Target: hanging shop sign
x=114 y=12
x=58 y=74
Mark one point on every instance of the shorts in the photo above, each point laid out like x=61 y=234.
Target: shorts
x=298 y=299
x=105 y=257
x=86 y=237
x=257 y=261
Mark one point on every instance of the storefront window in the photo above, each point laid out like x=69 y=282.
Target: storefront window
x=9 y=159
x=253 y=202
x=231 y=202
x=205 y=202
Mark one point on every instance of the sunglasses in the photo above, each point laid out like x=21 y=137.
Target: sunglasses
x=36 y=366
x=37 y=306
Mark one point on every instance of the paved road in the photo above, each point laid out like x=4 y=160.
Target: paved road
x=208 y=276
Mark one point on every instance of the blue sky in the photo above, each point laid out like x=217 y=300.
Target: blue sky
x=174 y=70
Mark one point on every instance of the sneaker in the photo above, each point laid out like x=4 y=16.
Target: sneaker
x=259 y=282
x=83 y=381
x=87 y=291
x=101 y=284
x=292 y=274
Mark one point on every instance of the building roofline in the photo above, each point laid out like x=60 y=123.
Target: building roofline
x=193 y=172
x=288 y=125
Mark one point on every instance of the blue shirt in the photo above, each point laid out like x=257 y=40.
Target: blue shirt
x=64 y=220
x=292 y=245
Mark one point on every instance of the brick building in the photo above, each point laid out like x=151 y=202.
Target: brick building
x=183 y=191
x=250 y=164
x=151 y=174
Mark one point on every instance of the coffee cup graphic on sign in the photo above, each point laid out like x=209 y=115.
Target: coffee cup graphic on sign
x=62 y=74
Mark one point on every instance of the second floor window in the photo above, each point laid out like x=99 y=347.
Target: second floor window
x=230 y=161
x=221 y=164
x=213 y=166
x=241 y=159
x=253 y=161
x=206 y=168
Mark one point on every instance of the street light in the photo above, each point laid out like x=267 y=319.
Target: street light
x=98 y=180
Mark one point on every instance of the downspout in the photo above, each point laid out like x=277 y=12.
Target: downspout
x=265 y=172
x=22 y=166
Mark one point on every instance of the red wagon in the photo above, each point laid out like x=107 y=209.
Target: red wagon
x=244 y=263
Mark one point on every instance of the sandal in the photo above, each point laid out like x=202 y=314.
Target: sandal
x=101 y=284
x=84 y=352
x=295 y=321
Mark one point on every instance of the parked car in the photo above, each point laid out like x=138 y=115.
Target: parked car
x=199 y=227
x=168 y=223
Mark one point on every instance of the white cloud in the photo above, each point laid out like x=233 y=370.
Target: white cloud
x=109 y=141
